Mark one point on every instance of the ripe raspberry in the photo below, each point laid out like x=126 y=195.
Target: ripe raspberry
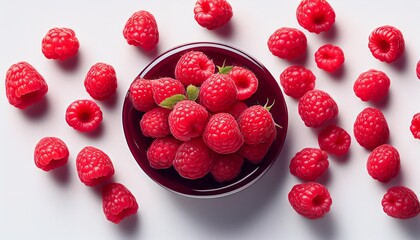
x=418 y=69
x=141 y=30
x=84 y=115
x=370 y=128
x=93 y=166
x=193 y=68
x=166 y=87
x=372 y=85
x=316 y=16
x=237 y=108
x=401 y=202
x=311 y=200
x=334 y=140
x=256 y=153
x=218 y=92
x=222 y=134
x=154 y=123
x=297 y=80
x=256 y=124
x=383 y=163
x=415 y=126
x=245 y=80
x=226 y=167
x=101 y=81
x=118 y=202
x=187 y=120
x=287 y=43
x=193 y=159
x=60 y=43
x=317 y=107
x=212 y=14
x=24 y=85
x=386 y=43
x=141 y=95
x=161 y=152
x=329 y=57
x=50 y=153
x=309 y=164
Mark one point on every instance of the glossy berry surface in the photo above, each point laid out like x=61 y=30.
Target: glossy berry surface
x=245 y=80
x=60 y=43
x=161 y=152
x=287 y=43
x=256 y=124
x=255 y=153
x=141 y=95
x=383 y=163
x=226 y=167
x=329 y=57
x=50 y=153
x=84 y=115
x=334 y=140
x=93 y=166
x=400 y=202
x=316 y=107
x=415 y=126
x=371 y=128
x=154 y=123
x=309 y=164
x=118 y=202
x=194 y=67
x=141 y=30
x=237 y=108
x=101 y=81
x=212 y=14
x=372 y=85
x=218 y=92
x=386 y=43
x=166 y=87
x=297 y=80
x=316 y=16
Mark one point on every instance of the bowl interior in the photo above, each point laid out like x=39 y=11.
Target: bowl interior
x=268 y=89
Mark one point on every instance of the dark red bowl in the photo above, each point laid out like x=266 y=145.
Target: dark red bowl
x=207 y=187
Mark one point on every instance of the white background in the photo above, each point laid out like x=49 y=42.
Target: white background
x=55 y=205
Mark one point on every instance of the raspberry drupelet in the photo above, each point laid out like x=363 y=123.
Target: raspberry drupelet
x=334 y=140
x=317 y=107
x=383 y=163
x=386 y=43
x=93 y=166
x=118 y=202
x=401 y=202
x=212 y=14
x=101 y=81
x=60 y=43
x=297 y=80
x=371 y=128
x=309 y=164
x=84 y=115
x=194 y=67
x=372 y=85
x=50 y=153
x=316 y=16
x=287 y=43
x=329 y=58
x=141 y=30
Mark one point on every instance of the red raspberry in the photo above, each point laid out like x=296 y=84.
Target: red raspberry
x=166 y=87
x=370 y=128
x=418 y=69
x=316 y=16
x=245 y=80
x=118 y=202
x=311 y=200
x=317 y=107
x=84 y=115
x=60 y=43
x=287 y=43
x=212 y=14
x=193 y=68
x=415 y=126
x=237 y=108
x=226 y=167
x=329 y=57
x=24 y=85
x=187 y=120
x=309 y=164
x=386 y=43
x=297 y=80
x=401 y=202
x=161 y=152
x=93 y=166
x=372 y=85
x=334 y=140
x=218 y=92
x=141 y=95
x=193 y=159
x=222 y=134
x=141 y=30
x=154 y=123
x=383 y=163
x=256 y=124
x=50 y=153
x=101 y=81
x=256 y=153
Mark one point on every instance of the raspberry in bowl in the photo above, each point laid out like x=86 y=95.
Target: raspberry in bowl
x=211 y=179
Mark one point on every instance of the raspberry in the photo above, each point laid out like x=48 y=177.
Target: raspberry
x=383 y=163
x=60 y=43
x=311 y=200
x=50 y=153
x=24 y=85
x=154 y=123
x=245 y=80
x=118 y=202
x=226 y=167
x=193 y=68
x=256 y=153
x=316 y=16
x=237 y=108
x=161 y=152
x=297 y=80
x=187 y=120
x=418 y=69
x=316 y=107
x=329 y=57
x=370 y=128
x=256 y=124
x=222 y=134
x=93 y=166
x=334 y=140
x=166 y=87
x=141 y=95
x=415 y=126
x=309 y=164
x=401 y=202
x=212 y=14
x=193 y=159
x=101 y=81
x=218 y=92
x=372 y=85
x=84 y=115
x=141 y=30
x=386 y=43
x=287 y=43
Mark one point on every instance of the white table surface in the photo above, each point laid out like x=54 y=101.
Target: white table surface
x=55 y=205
